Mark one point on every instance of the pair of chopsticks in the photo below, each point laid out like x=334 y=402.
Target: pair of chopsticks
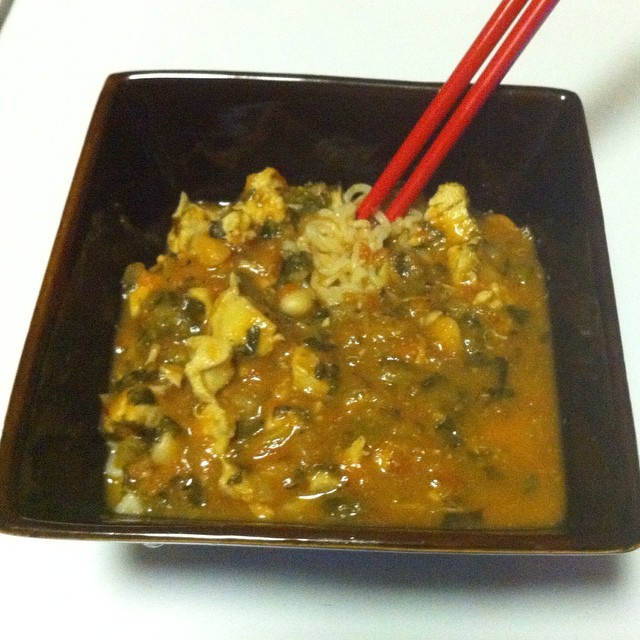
x=530 y=20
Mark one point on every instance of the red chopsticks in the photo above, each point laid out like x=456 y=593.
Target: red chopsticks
x=531 y=19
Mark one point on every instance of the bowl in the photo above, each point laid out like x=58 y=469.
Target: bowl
x=155 y=134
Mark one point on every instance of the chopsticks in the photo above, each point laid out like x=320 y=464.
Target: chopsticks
x=517 y=39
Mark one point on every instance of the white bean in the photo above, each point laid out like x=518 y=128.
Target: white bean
x=297 y=302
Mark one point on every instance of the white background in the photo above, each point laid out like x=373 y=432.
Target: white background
x=54 y=58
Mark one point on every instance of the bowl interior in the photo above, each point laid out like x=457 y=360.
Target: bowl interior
x=154 y=135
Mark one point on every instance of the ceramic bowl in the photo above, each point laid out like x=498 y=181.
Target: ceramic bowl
x=156 y=134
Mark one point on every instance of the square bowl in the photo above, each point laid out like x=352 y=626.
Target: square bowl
x=155 y=134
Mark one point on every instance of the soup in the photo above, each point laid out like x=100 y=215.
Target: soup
x=284 y=361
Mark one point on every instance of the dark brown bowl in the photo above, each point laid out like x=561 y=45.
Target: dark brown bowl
x=156 y=134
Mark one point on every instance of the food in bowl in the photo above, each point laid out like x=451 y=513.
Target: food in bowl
x=285 y=361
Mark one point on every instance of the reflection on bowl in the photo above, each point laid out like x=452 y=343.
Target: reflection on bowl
x=155 y=135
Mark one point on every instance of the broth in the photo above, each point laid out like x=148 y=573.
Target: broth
x=285 y=362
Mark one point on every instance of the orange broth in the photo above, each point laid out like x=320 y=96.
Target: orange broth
x=244 y=390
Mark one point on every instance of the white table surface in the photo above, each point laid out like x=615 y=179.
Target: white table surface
x=54 y=57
